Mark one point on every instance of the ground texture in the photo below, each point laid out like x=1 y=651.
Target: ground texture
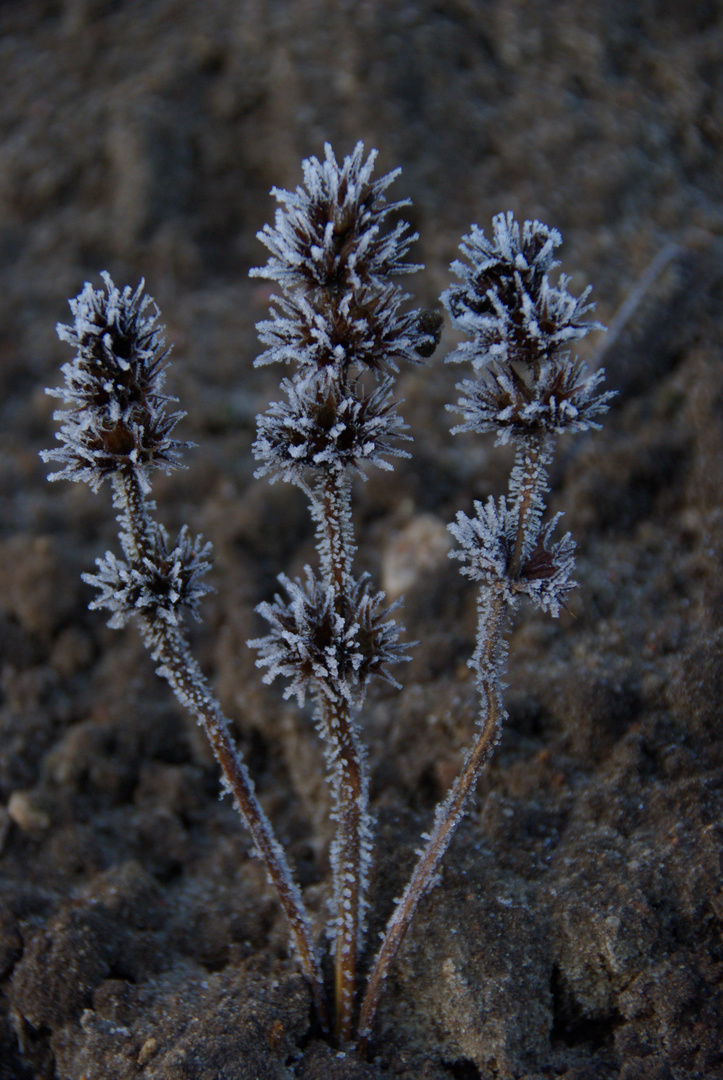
x=576 y=931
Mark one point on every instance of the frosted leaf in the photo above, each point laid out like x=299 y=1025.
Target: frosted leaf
x=546 y=574
x=116 y=416
x=485 y=541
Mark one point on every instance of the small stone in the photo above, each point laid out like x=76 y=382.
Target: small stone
x=24 y=810
x=420 y=548
x=147 y=1050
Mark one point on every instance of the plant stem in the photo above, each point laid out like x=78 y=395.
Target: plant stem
x=331 y=509
x=448 y=815
x=532 y=458
x=487 y=661
x=348 y=858
x=169 y=647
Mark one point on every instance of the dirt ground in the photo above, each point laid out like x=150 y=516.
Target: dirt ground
x=577 y=928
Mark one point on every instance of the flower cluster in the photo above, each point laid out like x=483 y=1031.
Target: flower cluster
x=331 y=647
x=486 y=548
x=520 y=325
x=340 y=316
x=317 y=428
x=341 y=323
x=118 y=428
x=159 y=583
x=117 y=417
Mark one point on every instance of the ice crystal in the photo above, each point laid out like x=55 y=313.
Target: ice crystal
x=485 y=541
x=117 y=416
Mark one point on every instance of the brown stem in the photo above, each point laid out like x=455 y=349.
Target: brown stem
x=530 y=487
x=129 y=499
x=348 y=858
x=331 y=508
x=169 y=647
x=332 y=513
x=447 y=817
x=191 y=688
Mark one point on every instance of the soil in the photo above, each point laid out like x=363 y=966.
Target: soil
x=577 y=928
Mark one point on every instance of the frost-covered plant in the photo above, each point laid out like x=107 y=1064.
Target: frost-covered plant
x=115 y=426
x=339 y=322
x=342 y=325
x=527 y=389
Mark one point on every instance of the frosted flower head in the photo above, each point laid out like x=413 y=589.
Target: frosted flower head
x=159 y=585
x=363 y=330
x=334 y=258
x=486 y=545
x=327 y=234
x=324 y=427
x=116 y=416
x=565 y=397
x=328 y=643
x=505 y=300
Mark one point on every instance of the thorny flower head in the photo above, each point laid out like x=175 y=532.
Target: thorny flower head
x=334 y=262
x=505 y=300
x=563 y=398
x=486 y=543
x=527 y=383
x=333 y=643
x=362 y=330
x=158 y=585
x=321 y=428
x=328 y=234
x=116 y=417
